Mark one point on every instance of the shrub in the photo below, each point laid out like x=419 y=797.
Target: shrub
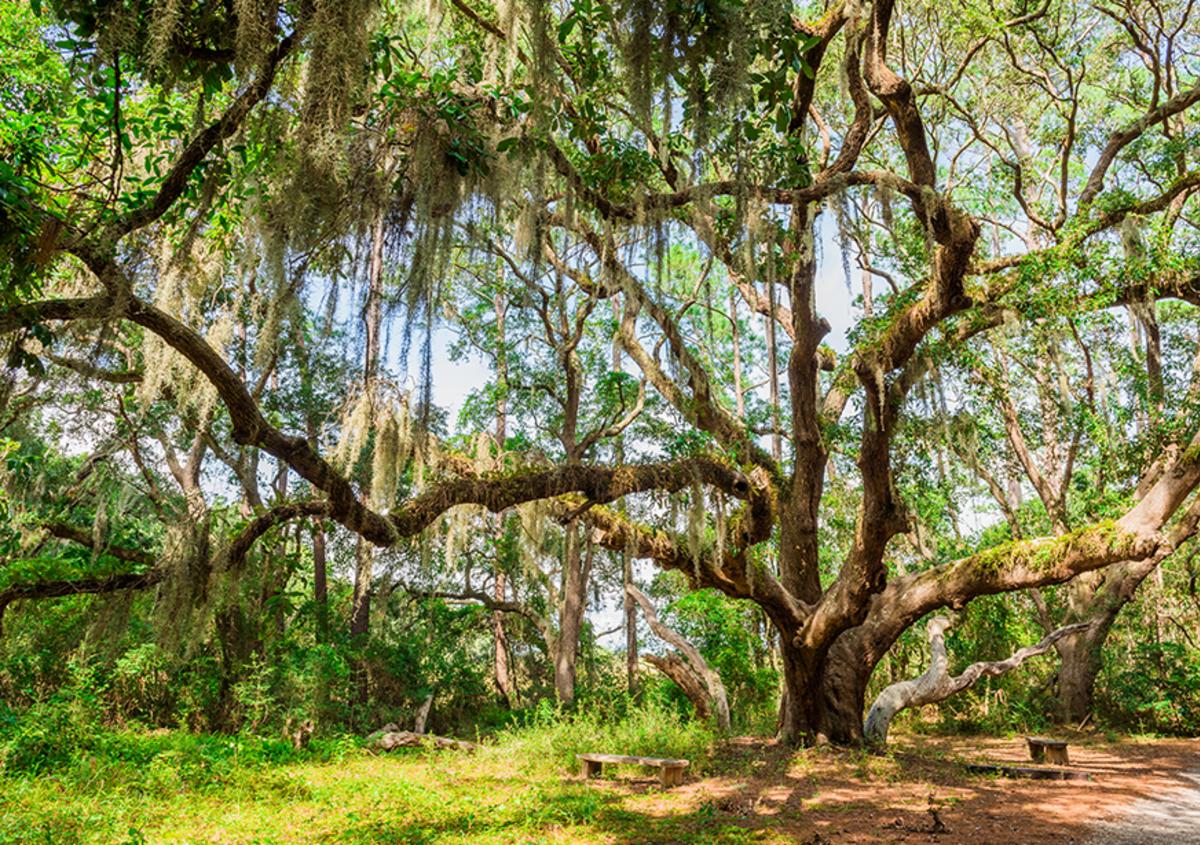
x=1158 y=690
x=48 y=736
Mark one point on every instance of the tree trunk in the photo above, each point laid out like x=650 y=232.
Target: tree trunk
x=320 y=580
x=1096 y=598
x=823 y=703
x=842 y=686
x=1081 y=661
x=504 y=684
x=631 y=641
x=848 y=670
x=773 y=375
x=360 y=616
x=570 y=617
x=423 y=714
x=801 y=711
x=1077 y=678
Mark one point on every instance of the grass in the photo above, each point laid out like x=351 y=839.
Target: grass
x=62 y=782
x=126 y=787
x=413 y=797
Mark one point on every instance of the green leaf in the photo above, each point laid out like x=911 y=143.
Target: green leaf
x=783 y=116
x=565 y=28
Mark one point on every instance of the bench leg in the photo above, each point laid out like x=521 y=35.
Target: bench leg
x=591 y=768
x=1057 y=755
x=1037 y=753
x=670 y=776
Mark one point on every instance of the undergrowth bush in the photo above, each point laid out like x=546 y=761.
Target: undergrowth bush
x=59 y=738
x=1157 y=690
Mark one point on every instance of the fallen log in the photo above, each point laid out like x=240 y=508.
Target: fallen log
x=1027 y=772
x=386 y=740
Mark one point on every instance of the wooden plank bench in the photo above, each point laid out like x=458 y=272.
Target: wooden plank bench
x=1042 y=749
x=670 y=772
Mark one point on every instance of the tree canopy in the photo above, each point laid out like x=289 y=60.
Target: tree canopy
x=236 y=238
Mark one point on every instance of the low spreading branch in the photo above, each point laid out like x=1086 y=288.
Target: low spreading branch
x=76 y=586
x=251 y=427
x=936 y=684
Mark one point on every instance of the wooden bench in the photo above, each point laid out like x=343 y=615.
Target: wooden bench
x=670 y=772
x=1042 y=749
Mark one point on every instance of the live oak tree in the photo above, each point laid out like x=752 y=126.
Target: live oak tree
x=984 y=169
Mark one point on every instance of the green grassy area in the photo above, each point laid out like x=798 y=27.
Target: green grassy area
x=403 y=797
x=131 y=787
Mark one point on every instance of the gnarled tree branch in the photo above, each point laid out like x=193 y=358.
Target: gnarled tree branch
x=936 y=684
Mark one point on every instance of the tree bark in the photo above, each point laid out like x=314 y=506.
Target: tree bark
x=1096 y=598
x=843 y=688
x=803 y=714
x=320 y=580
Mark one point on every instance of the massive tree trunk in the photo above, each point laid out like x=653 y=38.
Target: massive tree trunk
x=1080 y=664
x=809 y=714
x=843 y=687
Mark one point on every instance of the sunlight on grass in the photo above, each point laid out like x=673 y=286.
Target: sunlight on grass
x=133 y=788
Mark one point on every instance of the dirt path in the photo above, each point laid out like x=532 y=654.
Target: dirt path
x=1172 y=816
x=1141 y=792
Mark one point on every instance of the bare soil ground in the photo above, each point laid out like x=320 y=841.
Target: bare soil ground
x=1138 y=789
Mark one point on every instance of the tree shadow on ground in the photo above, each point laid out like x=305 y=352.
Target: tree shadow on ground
x=755 y=791
x=919 y=793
